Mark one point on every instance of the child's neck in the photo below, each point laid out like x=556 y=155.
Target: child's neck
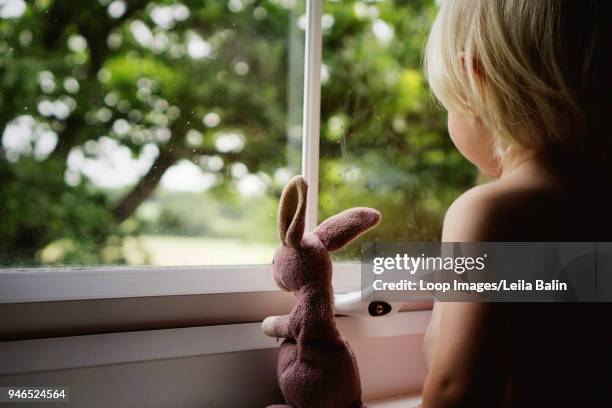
x=515 y=158
x=522 y=164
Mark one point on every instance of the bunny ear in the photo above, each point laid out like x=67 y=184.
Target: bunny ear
x=340 y=229
x=292 y=212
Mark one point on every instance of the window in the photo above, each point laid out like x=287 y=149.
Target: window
x=384 y=142
x=147 y=133
x=161 y=133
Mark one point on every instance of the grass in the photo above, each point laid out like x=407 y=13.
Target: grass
x=168 y=250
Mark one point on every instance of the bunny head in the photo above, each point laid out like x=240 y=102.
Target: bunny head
x=303 y=258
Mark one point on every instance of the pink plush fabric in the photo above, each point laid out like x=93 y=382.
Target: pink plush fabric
x=316 y=366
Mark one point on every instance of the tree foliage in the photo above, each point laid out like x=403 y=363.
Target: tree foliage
x=210 y=82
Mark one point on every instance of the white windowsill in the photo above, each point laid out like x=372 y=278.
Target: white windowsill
x=402 y=401
x=114 y=348
x=44 y=303
x=54 y=284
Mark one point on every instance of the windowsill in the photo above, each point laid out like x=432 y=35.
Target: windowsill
x=42 y=303
x=148 y=365
x=60 y=284
x=402 y=401
x=47 y=354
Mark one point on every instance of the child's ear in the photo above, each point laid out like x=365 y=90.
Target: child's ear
x=292 y=212
x=340 y=229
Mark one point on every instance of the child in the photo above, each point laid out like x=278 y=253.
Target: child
x=527 y=87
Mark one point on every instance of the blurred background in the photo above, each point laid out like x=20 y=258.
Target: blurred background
x=162 y=133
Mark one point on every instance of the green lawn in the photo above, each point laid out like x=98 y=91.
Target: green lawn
x=168 y=250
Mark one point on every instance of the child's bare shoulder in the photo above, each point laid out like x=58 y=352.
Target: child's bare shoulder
x=494 y=211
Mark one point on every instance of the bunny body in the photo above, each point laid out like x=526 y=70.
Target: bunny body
x=316 y=366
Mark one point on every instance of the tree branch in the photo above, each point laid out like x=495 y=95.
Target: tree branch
x=143 y=189
x=147 y=184
x=230 y=157
x=96 y=34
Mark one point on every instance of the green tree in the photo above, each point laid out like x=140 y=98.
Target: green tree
x=143 y=75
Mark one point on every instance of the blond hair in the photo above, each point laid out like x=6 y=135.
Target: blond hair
x=531 y=70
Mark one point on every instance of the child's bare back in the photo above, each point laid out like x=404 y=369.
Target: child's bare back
x=538 y=354
x=528 y=92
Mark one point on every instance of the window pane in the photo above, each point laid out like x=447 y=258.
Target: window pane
x=147 y=133
x=384 y=142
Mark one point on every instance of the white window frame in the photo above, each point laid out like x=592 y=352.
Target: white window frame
x=50 y=284
x=312 y=108
x=39 y=285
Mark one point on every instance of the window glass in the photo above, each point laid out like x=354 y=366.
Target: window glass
x=146 y=132
x=384 y=142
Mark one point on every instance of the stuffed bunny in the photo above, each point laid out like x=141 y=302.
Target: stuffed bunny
x=316 y=366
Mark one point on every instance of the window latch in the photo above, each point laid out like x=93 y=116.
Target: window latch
x=351 y=304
